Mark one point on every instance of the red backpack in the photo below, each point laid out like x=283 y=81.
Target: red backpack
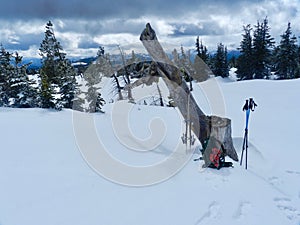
x=215 y=157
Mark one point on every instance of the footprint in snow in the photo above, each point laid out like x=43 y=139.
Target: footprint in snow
x=242 y=210
x=283 y=204
x=293 y=172
x=212 y=213
x=274 y=181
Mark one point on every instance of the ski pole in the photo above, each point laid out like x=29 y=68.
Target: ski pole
x=248 y=107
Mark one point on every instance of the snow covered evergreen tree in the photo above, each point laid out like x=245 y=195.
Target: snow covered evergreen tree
x=22 y=93
x=245 y=60
x=6 y=70
x=220 y=62
x=287 y=60
x=69 y=88
x=58 y=83
x=94 y=98
x=99 y=103
x=51 y=52
x=298 y=56
x=263 y=45
x=93 y=77
x=16 y=90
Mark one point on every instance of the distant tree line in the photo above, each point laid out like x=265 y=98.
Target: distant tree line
x=259 y=56
x=56 y=86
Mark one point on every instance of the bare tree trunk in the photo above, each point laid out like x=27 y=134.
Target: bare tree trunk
x=118 y=87
x=127 y=76
x=203 y=126
x=160 y=96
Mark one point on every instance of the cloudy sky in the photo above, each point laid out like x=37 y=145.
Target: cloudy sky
x=82 y=25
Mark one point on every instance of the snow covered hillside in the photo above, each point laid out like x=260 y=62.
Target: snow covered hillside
x=46 y=179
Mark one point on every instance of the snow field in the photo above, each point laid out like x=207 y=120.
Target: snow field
x=45 y=180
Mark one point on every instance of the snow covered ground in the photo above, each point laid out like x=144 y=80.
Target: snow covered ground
x=45 y=178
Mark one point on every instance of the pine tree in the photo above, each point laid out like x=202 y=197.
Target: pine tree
x=46 y=92
x=201 y=50
x=245 y=60
x=298 y=56
x=93 y=76
x=220 y=62
x=51 y=52
x=287 y=61
x=58 y=81
x=232 y=62
x=16 y=90
x=92 y=97
x=263 y=45
x=99 y=103
x=69 y=88
x=22 y=91
x=6 y=70
x=100 y=51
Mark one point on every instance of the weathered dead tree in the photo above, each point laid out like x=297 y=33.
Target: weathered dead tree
x=203 y=126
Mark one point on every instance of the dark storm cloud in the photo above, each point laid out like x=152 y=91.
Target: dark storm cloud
x=98 y=27
x=84 y=25
x=95 y=9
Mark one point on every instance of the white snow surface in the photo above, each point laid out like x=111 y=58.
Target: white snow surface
x=45 y=180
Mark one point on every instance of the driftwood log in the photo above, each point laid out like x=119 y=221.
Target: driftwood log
x=203 y=126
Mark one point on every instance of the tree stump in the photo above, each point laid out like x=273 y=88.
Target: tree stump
x=220 y=129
